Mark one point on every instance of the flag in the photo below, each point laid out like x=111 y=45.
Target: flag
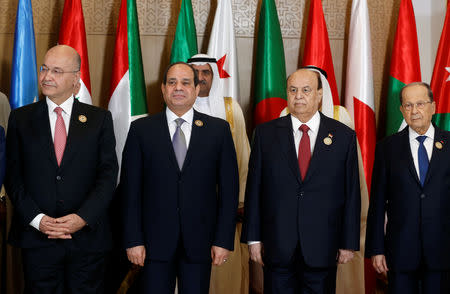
x=405 y=65
x=73 y=34
x=359 y=101
x=128 y=100
x=185 y=42
x=270 y=80
x=222 y=46
x=440 y=82
x=317 y=47
x=24 y=83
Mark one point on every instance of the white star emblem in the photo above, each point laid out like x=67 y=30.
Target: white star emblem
x=448 y=69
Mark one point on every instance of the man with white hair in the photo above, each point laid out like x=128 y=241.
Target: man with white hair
x=232 y=277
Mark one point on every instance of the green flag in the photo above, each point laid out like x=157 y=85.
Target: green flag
x=185 y=42
x=270 y=80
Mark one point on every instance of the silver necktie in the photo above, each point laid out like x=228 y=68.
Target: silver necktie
x=179 y=143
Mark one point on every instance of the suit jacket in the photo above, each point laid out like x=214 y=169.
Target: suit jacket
x=164 y=205
x=418 y=217
x=2 y=155
x=321 y=213
x=82 y=184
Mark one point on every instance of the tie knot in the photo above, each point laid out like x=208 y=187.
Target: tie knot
x=179 y=122
x=304 y=128
x=421 y=139
x=58 y=110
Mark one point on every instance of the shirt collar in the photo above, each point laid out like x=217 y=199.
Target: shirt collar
x=313 y=123
x=188 y=116
x=429 y=133
x=66 y=105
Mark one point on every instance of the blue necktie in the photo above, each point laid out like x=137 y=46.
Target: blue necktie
x=423 y=159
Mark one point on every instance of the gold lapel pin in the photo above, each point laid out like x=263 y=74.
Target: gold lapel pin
x=438 y=145
x=328 y=140
x=198 y=123
x=82 y=118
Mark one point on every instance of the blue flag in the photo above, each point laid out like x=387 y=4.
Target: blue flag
x=24 y=83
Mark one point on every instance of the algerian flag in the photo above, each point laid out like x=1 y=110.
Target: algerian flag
x=128 y=100
x=185 y=42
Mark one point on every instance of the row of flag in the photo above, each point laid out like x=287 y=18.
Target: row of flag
x=128 y=91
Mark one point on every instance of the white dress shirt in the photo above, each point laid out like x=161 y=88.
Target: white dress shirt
x=313 y=125
x=67 y=111
x=186 y=127
x=414 y=144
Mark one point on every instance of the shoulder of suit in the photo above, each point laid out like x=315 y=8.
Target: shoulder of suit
x=209 y=120
x=90 y=108
x=335 y=124
x=28 y=109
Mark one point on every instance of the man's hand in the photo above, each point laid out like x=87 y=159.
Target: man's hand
x=345 y=256
x=50 y=227
x=379 y=263
x=219 y=255
x=255 y=251
x=72 y=222
x=136 y=255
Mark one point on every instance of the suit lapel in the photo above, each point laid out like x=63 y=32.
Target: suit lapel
x=407 y=155
x=286 y=141
x=196 y=137
x=41 y=127
x=319 y=146
x=437 y=156
x=75 y=135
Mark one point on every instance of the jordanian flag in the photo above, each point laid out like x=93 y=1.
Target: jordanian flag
x=73 y=34
x=405 y=65
x=270 y=80
x=184 y=45
x=440 y=82
x=128 y=100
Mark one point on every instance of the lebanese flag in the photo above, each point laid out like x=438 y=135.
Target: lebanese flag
x=317 y=48
x=222 y=46
x=440 y=82
x=73 y=34
x=359 y=101
x=405 y=65
x=128 y=94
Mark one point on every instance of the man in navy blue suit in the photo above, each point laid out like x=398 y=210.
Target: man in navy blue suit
x=180 y=189
x=302 y=203
x=411 y=184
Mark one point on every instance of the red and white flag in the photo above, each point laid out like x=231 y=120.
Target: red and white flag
x=73 y=34
x=317 y=48
x=222 y=46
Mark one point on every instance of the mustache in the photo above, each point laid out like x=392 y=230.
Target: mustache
x=202 y=82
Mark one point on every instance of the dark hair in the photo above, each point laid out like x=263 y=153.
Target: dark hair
x=184 y=63
x=429 y=92
x=309 y=67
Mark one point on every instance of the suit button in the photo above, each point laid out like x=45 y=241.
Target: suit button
x=58 y=178
x=178 y=209
x=302 y=194
x=422 y=196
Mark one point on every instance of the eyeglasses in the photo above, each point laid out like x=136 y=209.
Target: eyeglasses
x=419 y=105
x=55 y=71
x=305 y=90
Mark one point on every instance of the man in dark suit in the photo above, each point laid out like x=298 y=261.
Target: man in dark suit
x=302 y=205
x=411 y=183
x=62 y=171
x=180 y=189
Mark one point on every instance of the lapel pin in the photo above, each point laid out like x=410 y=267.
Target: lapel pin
x=439 y=145
x=328 y=140
x=82 y=118
x=198 y=123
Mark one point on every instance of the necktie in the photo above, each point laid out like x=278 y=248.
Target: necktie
x=304 y=151
x=60 y=135
x=423 y=159
x=179 y=143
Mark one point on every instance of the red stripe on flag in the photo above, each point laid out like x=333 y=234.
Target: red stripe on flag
x=120 y=61
x=366 y=132
x=269 y=109
x=440 y=83
x=317 y=48
x=405 y=62
x=73 y=34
